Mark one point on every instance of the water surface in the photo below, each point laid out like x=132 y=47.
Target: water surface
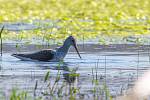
x=118 y=65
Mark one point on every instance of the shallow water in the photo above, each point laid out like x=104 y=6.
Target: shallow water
x=119 y=66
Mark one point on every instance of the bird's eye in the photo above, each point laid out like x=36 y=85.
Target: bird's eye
x=73 y=40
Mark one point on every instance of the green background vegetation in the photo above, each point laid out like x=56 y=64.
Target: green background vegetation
x=88 y=18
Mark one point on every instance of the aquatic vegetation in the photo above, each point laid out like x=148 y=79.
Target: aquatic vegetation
x=81 y=18
x=1 y=39
x=55 y=91
x=18 y=95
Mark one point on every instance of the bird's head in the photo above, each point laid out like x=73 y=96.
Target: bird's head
x=71 y=41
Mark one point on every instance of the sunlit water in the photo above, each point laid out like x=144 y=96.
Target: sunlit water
x=120 y=68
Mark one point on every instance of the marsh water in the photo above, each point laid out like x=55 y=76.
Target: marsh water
x=119 y=65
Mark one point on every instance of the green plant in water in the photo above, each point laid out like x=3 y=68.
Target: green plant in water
x=100 y=90
x=46 y=76
x=15 y=95
x=1 y=40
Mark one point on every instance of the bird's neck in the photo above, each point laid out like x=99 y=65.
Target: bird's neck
x=64 y=48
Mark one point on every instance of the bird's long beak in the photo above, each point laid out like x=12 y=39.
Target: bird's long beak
x=75 y=46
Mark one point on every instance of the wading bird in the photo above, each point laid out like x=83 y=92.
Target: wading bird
x=50 y=55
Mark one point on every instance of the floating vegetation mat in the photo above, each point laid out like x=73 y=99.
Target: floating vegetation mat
x=84 y=19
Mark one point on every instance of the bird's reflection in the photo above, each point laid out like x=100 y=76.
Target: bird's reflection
x=69 y=74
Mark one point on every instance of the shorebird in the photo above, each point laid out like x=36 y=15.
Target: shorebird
x=50 y=55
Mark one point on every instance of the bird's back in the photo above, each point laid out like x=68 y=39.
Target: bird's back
x=44 y=55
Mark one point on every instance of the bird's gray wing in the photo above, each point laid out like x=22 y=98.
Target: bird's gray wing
x=43 y=55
